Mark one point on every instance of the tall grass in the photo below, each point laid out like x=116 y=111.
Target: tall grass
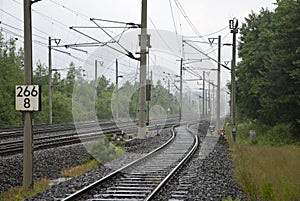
x=278 y=135
x=269 y=172
x=264 y=171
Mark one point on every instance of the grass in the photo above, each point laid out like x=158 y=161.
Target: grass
x=80 y=169
x=19 y=193
x=266 y=172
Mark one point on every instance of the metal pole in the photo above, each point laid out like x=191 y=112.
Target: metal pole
x=218 y=85
x=209 y=101
x=213 y=102
x=180 y=98
x=117 y=90
x=206 y=101
x=50 y=81
x=95 y=94
x=233 y=83
x=203 y=96
x=149 y=101
x=234 y=30
x=28 y=139
x=143 y=73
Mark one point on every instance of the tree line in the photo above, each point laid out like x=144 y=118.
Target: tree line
x=64 y=100
x=268 y=76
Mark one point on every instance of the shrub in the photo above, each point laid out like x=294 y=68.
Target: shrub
x=280 y=134
x=104 y=151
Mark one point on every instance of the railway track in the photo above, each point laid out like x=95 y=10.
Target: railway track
x=17 y=132
x=145 y=177
x=61 y=137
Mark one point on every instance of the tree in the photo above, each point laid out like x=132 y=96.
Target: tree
x=254 y=50
x=40 y=77
x=73 y=74
x=281 y=97
x=269 y=75
x=104 y=97
x=11 y=75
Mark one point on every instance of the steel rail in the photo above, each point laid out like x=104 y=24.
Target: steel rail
x=175 y=170
x=115 y=173
x=16 y=146
x=148 y=194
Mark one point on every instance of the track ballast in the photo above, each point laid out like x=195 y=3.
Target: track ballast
x=142 y=179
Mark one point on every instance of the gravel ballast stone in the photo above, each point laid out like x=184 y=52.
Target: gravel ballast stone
x=46 y=163
x=134 y=150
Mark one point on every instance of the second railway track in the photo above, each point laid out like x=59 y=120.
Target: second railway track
x=143 y=178
x=84 y=133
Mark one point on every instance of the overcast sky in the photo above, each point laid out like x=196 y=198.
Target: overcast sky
x=54 y=17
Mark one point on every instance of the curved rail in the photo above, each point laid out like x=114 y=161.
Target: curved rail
x=91 y=186
x=175 y=170
x=142 y=182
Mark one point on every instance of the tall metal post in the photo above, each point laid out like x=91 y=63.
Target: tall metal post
x=28 y=139
x=206 y=102
x=209 y=100
x=149 y=101
x=50 y=80
x=213 y=101
x=203 y=96
x=143 y=73
x=233 y=25
x=180 y=95
x=117 y=90
x=218 y=85
x=96 y=84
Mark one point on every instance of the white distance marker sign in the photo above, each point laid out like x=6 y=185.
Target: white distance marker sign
x=28 y=98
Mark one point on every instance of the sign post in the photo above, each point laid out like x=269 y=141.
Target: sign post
x=28 y=98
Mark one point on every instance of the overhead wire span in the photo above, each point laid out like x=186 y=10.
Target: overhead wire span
x=187 y=18
x=34 y=41
x=175 y=28
x=69 y=9
x=209 y=34
x=215 y=44
x=206 y=55
x=7 y=13
x=211 y=50
x=21 y=30
x=128 y=53
x=119 y=22
x=192 y=72
x=11 y=32
x=99 y=42
x=50 y=19
x=163 y=40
